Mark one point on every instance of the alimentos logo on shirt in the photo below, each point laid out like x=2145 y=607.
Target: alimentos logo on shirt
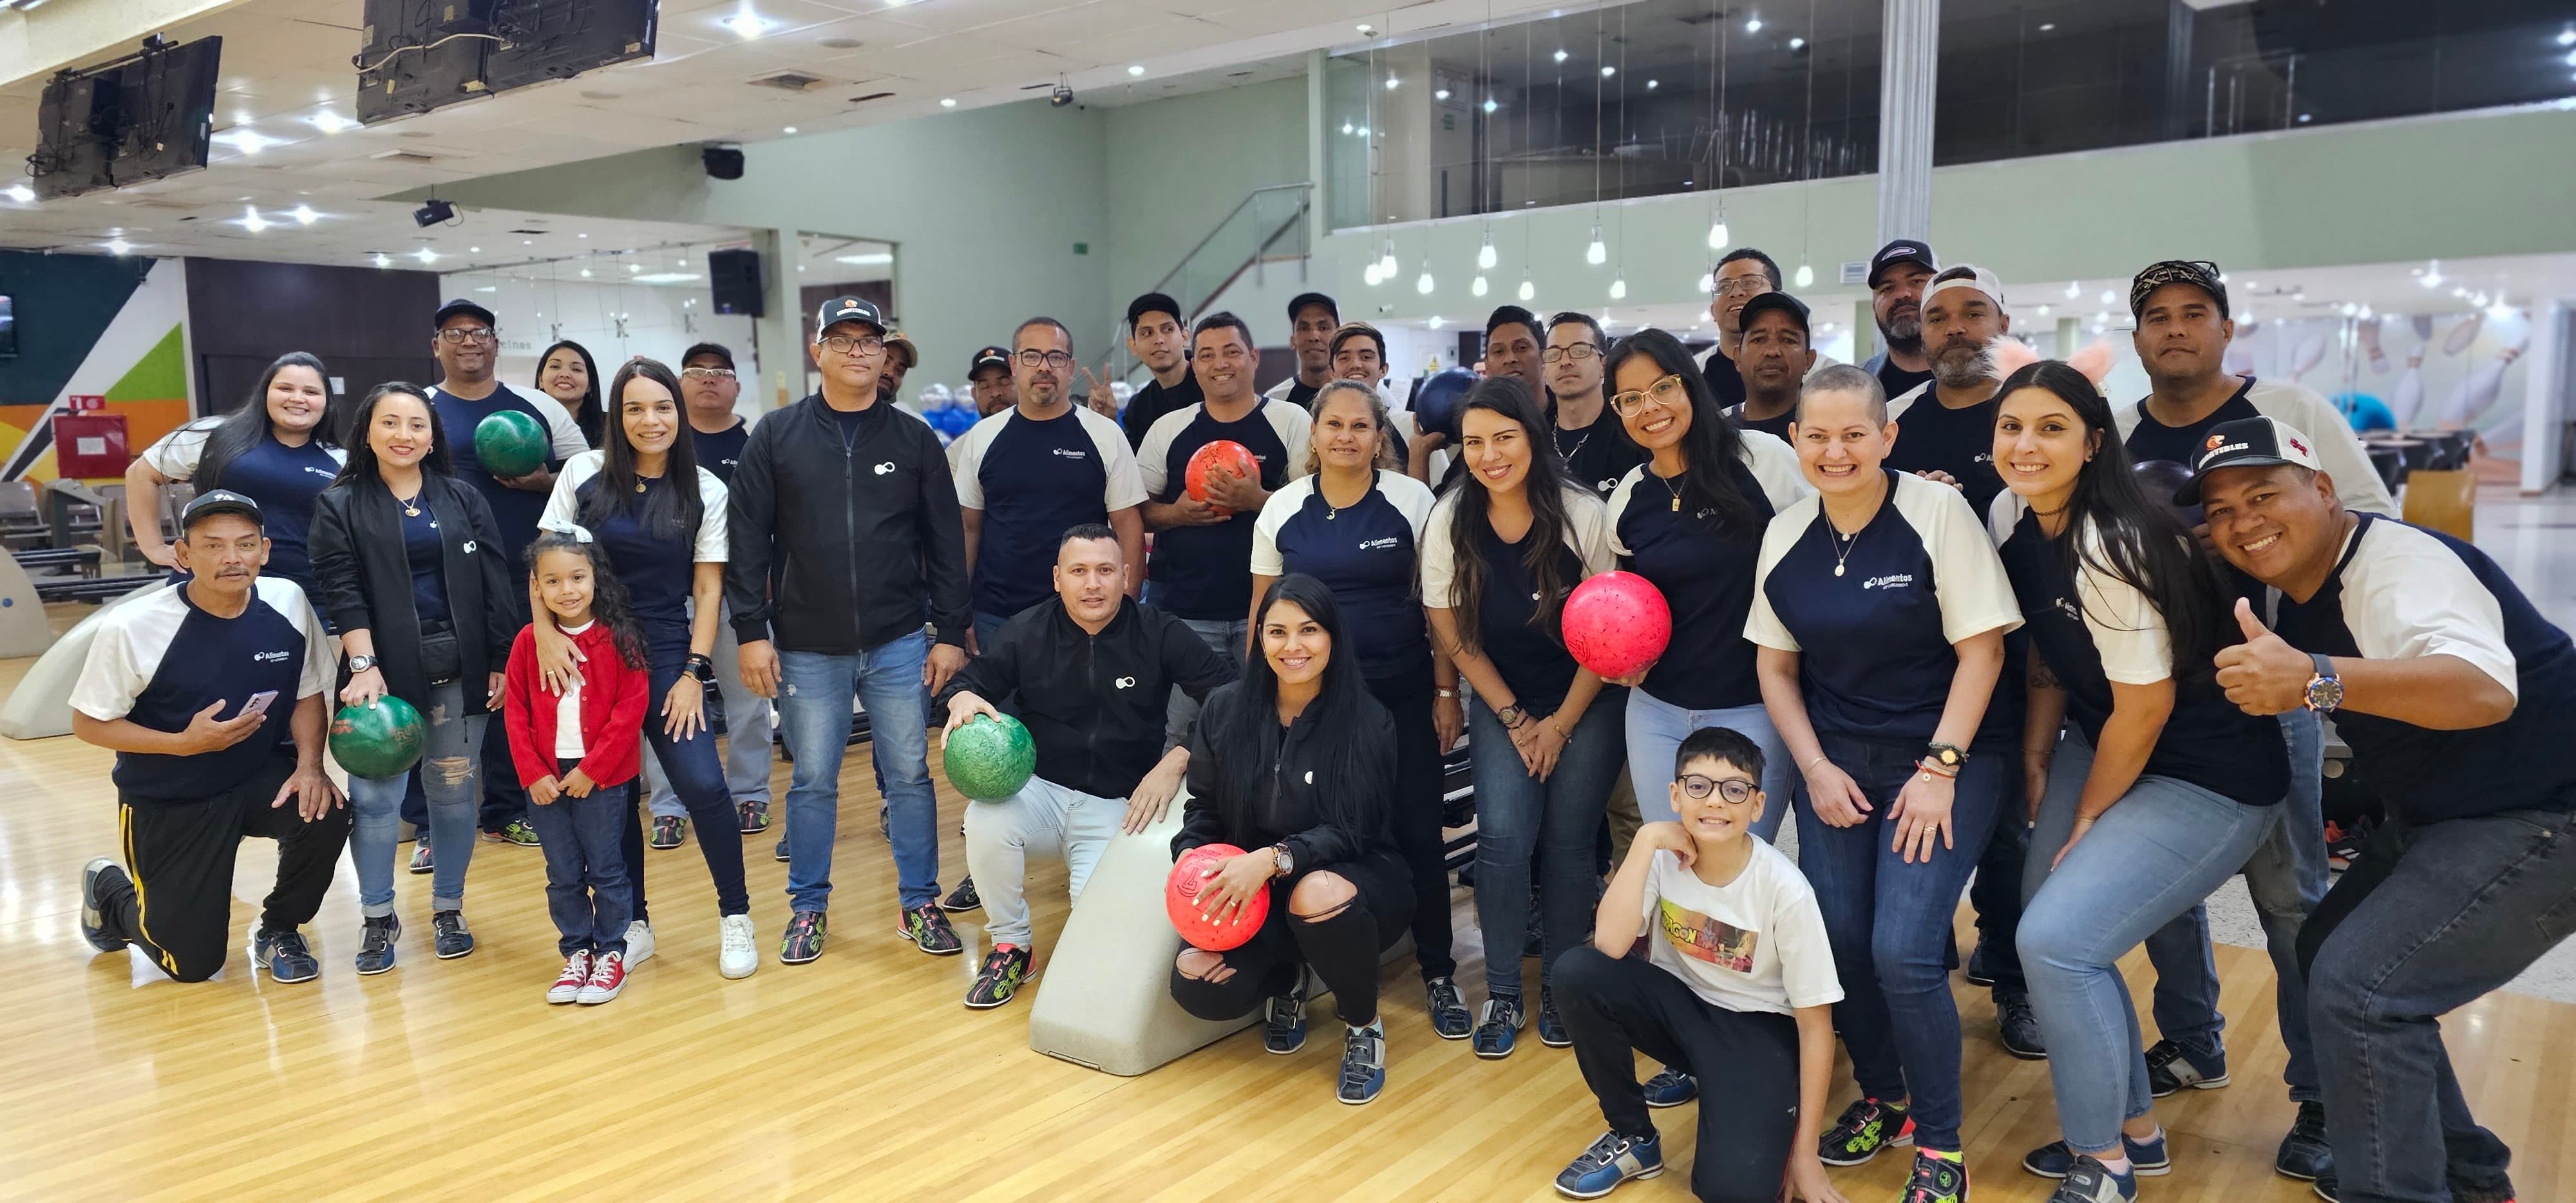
x=275 y=657
x=1381 y=544
x=1893 y=580
x=1070 y=453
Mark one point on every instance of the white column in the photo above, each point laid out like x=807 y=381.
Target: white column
x=1909 y=58
x=779 y=332
x=2545 y=410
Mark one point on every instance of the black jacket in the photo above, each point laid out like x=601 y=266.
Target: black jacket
x=1094 y=703
x=365 y=580
x=840 y=547
x=1289 y=811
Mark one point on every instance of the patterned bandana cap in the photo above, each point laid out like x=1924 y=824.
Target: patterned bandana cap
x=2199 y=273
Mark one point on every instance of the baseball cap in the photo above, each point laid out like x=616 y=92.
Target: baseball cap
x=989 y=357
x=895 y=341
x=1304 y=299
x=219 y=501
x=847 y=309
x=1902 y=250
x=1966 y=275
x=460 y=305
x=1152 y=302
x=2248 y=443
x=716 y=349
x=1764 y=302
x=2199 y=273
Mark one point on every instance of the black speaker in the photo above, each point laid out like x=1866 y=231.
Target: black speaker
x=734 y=277
x=1471 y=347
x=723 y=162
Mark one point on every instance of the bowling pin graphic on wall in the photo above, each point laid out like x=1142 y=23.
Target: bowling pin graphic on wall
x=2408 y=396
x=2368 y=333
x=2312 y=351
x=2238 y=358
x=2478 y=390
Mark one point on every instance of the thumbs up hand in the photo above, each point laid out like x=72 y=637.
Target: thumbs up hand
x=2264 y=674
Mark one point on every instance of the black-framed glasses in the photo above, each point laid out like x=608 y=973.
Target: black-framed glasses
x=707 y=373
x=1668 y=392
x=852 y=344
x=1059 y=360
x=460 y=335
x=1736 y=790
x=1578 y=352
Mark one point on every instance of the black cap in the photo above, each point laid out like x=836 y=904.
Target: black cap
x=989 y=357
x=219 y=501
x=1508 y=315
x=2247 y=443
x=1765 y=302
x=716 y=349
x=1302 y=300
x=847 y=309
x=461 y=305
x=1152 y=302
x=1902 y=250
x=2199 y=273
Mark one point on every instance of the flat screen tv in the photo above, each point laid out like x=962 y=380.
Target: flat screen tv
x=143 y=117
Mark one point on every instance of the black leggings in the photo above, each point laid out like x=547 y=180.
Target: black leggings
x=1343 y=947
x=179 y=856
x=1417 y=816
x=1746 y=1060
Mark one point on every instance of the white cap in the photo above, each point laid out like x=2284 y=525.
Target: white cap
x=1977 y=278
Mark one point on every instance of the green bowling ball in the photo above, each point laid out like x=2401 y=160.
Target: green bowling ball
x=377 y=741
x=989 y=761
x=510 y=444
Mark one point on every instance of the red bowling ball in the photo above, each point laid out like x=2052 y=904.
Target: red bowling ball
x=1617 y=623
x=1233 y=456
x=1181 y=901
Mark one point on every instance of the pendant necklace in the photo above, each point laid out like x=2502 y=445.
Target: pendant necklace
x=411 y=506
x=1848 y=542
x=1668 y=487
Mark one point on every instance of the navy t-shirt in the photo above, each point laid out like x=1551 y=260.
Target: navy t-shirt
x=427 y=552
x=1531 y=659
x=1032 y=479
x=1153 y=403
x=1597 y=455
x=1875 y=640
x=514 y=511
x=1932 y=437
x=2103 y=629
x=657 y=570
x=283 y=480
x=722 y=451
x=1204 y=572
x=1777 y=427
x=2153 y=440
x=1706 y=574
x=1366 y=555
x=158 y=660
x=1723 y=379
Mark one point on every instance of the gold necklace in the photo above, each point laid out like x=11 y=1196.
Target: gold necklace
x=1848 y=541
x=410 y=505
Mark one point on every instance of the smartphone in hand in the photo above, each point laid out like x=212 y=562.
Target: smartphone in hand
x=258 y=703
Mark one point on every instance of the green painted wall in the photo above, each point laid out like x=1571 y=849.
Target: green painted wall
x=1177 y=167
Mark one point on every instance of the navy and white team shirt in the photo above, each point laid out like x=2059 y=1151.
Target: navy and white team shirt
x=1932 y=437
x=1204 y=572
x=514 y=511
x=1777 y=426
x=283 y=480
x=658 y=571
x=2402 y=591
x=2339 y=451
x=1704 y=571
x=1033 y=479
x=1598 y=455
x=721 y=452
x=1530 y=656
x=1366 y=554
x=2097 y=629
x=158 y=660
x=1875 y=642
x=1724 y=381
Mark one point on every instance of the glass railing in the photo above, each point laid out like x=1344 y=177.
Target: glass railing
x=1269 y=229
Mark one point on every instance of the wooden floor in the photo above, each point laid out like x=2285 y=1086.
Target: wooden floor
x=861 y=1076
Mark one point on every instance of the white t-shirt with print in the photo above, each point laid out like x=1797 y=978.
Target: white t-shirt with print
x=1756 y=943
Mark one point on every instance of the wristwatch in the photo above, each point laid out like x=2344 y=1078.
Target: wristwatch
x=1284 y=861
x=2325 y=692
x=1446 y=693
x=1947 y=756
x=359 y=664
x=1510 y=716
x=702 y=669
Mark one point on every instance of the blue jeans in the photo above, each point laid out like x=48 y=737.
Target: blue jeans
x=2286 y=877
x=1656 y=729
x=746 y=735
x=588 y=888
x=987 y=626
x=2427 y=920
x=1227 y=637
x=691 y=766
x=2155 y=854
x=450 y=764
x=1889 y=924
x=1557 y=820
x=814 y=691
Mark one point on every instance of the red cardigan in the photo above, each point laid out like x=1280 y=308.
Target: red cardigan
x=613 y=701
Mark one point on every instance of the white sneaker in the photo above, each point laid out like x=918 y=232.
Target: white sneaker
x=639 y=943
x=735 y=957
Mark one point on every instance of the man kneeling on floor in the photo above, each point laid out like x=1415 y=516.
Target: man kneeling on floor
x=1092 y=671
x=210 y=692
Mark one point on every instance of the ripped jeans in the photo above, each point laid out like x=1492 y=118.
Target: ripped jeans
x=450 y=764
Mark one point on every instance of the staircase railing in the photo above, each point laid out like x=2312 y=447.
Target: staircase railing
x=1270 y=226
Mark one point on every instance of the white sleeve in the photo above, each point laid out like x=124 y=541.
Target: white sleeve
x=1439 y=559
x=1967 y=576
x=1775 y=467
x=2405 y=594
x=1411 y=498
x=1296 y=431
x=1761 y=624
x=1275 y=513
x=2128 y=634
x=2124 y=418
x=712 y=525
x=1588 y=531
x=563 y=506
x=1126 y=486
x=1898 y=404
x=2004 y=515
x=1618 y=508
x=112 y=677
x=2339 y=450
x=1806 y=958
x=966 y=459
x=176 y=454
x=568 y=440
x=1650 y=897
x=319 y=667
x=1154 y=455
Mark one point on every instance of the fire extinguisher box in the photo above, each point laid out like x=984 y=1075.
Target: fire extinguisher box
x=90 y=446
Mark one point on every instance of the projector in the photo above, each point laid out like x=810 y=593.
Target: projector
x=433 y=213
x=1062 y=96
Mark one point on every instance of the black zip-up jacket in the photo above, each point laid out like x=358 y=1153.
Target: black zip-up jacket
x=839 y=545
x=1288 y=810
x=1093 y=703
x=364 y=576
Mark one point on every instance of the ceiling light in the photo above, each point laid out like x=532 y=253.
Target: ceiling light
x=489 y=288
x=2571 y=58
x=2109 y=297
x=1485 y=256
x=1650 y=85
x=878 y=259
x=1716 y=237
x=330 y=122
x=304 y=215
x=632 y=268
x=2432 y=277
x=1367 y=30
x=1806 y=276
x=118 y=246
x=1364 y=131
x=21 y=193
x=381 y=259
x=2047 y=26
x=948 y=102
x=746 y=24
x=1346 y=129
x=670 y=278
x=1372 y=276
x=1619 y=289
x=474 y=250
x=2499 y=310
x=1386 y=262
x=581 y=235
x=1422 y=283
x=1608 y=71
x=425 y=255
x=1490 y=106
x=2567 y=36
x=2098 y=319
x=1440 y=93
x=527 y=242
x=1528 y=292
x=2250 y=285
x=1391 y=81
x=1797 y=43
x=2043 y=311
x=1560 y=56
x=2073 y=290
x=1436 y=322
x=1596 y=254
x=787 y=129
x=1477 y=288
x=1135 y=69
x=1753 y=25
x=585 y=273
x=252 y=221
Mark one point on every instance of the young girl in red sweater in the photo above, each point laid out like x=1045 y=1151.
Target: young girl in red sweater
x=578 y=755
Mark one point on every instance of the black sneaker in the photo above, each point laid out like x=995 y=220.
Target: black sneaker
x=2325 y=1187
x=2088 y=1182
x=2018 y=1025
x=97 y=879
x=927 y=927
x=449 y=935
x=1283 y=1022
x=1980 y=973
x=1866 y=1127
x=1498 y=1026
x=1935 y=1180
x=1551 y=1029
x=752 y=817
x=781 y=854
x=1449 y=1015
x=804 y=939
x=376 y=944
x=1671 y=1088
x=1363 y=1065
x=668 y=831
x=285 y=956
x=2304 y=1154
x=2170 y=1069
x=964 y=897
x=1005 y=968
x=421 y=860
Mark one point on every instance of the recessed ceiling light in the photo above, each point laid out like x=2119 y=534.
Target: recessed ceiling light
x=1367 y=30
x=1560 y=56
x=1797 y=43
x=581 y=235
x=251 y=220
x=381 y=259
x=1134 y=69
x=474 y=250
x=425 y=255
x=1650 y=85
x=788 y=129
x=1608 y=71
x=948 y=102
x=304 y=215
x=585 y=273
x=746 y=24
x=2046 y=26
x=330 y=123
x=1753 y=25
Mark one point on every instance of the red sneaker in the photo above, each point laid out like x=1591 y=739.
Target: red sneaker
x=607 y=977
x=568 y=984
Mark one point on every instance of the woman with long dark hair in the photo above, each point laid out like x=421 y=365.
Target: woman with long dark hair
x=1297 y=763
x=276 y=449
x=1880 y=611
x=2179 y=785
x=659 y=520
x=567 y=373
x=1499 y=555
x=411 y=570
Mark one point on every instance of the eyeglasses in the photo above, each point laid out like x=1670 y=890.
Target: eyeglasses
x=845 y=344
x=707 y=373
x=1578 y=352
x=1668 y=392
x=1059 y=360
x=1747 y=285
x=1736 y=790
x=460 y=335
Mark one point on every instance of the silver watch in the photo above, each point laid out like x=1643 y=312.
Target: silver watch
x=1284 y=860
x=359 y=664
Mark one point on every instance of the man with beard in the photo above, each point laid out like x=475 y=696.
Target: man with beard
x=1745 y=273
x=1946 y=426
x=1156 y=337
x=900 y=358
x=1897 y=274
x=1774 y=359
x=1312 y=318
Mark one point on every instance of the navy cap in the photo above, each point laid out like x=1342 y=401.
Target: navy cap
x=718 y=350
x=460 y=305
x=1152 y=302
x=989 y=357
x=1302 y=300
x=1902 y=250
x=1765 y=302
x=847 y=309
x=219 y=501
x=2247 y=443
